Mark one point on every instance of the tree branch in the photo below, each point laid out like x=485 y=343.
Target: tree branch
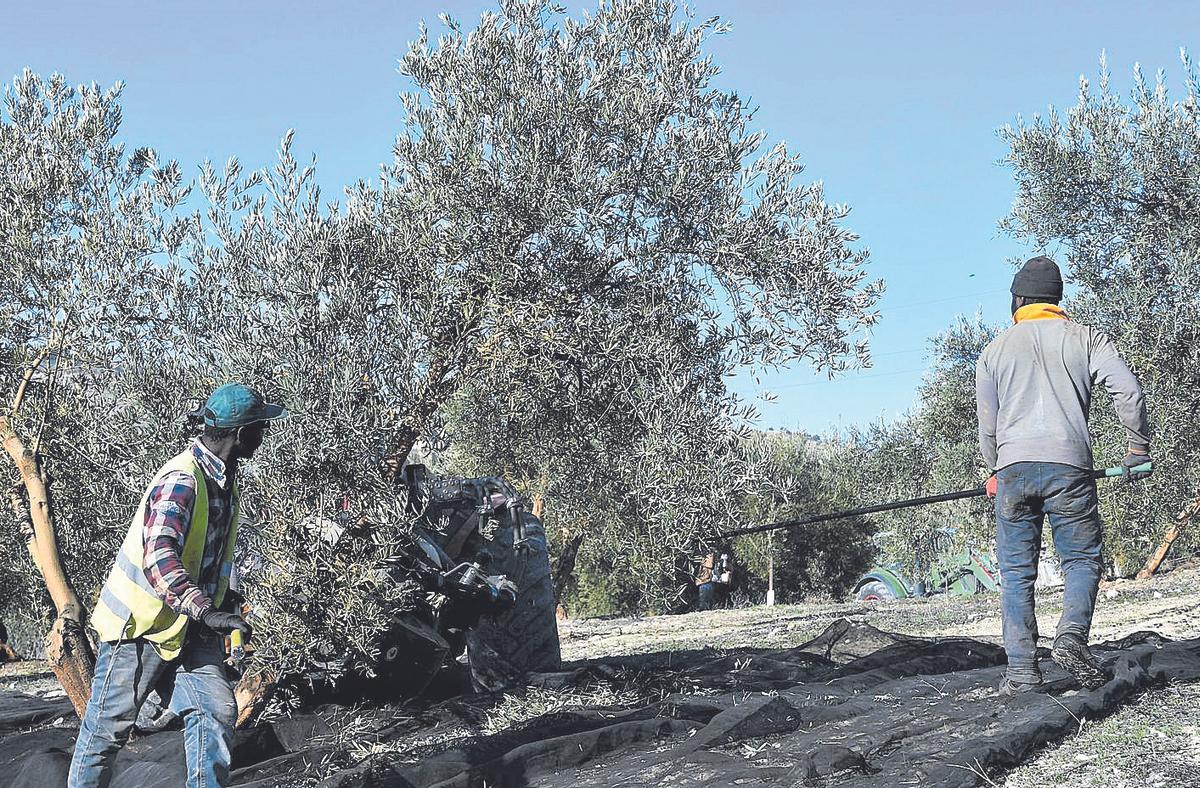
x=49 y=558
x=28 y=376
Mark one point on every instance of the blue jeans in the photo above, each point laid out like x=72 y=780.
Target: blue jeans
x=1027 y=493
x=194 y=686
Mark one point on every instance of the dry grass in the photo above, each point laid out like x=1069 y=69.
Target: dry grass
x=1153 y=741
x=516 y=708
x=31 y=676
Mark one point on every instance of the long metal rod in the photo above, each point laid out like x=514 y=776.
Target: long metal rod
x=977 y=492
x=881 y=507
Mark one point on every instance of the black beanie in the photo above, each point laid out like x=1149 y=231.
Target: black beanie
x=1038 y=278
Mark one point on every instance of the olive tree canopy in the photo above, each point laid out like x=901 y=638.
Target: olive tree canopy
x=577 y=239
x=1114 y=182
x=577 y=231
x=564 y=179
x=90 y=243
x=596 y=238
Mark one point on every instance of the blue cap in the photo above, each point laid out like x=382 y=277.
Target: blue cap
x=235 y=405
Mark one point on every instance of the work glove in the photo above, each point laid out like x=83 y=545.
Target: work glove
x=224 y=623
x=233 y=601
x=1131 y=461
x=991 y=486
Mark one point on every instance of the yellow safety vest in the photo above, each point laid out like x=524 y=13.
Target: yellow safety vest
x=129 y=607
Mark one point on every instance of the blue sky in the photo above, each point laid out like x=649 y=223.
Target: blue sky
x=893 y=105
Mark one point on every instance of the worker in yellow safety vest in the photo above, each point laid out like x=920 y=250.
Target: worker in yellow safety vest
x=163 y=613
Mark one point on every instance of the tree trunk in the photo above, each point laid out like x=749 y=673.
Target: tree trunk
x=564 y=567
x=67 y=645
x=252 y=694
x=16 y=501
x=1155 y=561
x=49 y=558
x=70 y=655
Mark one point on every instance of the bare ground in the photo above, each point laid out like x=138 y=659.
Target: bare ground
x=1168 y=604
x=1154 y=741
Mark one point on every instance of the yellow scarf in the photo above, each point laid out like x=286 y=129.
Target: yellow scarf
x=1039 y=312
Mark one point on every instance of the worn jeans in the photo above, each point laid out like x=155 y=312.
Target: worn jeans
x=1027 y=493
x=194 y=686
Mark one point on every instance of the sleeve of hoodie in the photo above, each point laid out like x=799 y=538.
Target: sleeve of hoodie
x=987 y=406
x=1110 y=369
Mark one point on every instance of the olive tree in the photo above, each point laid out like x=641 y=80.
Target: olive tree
x=90 y=243
x=576 y=240
x=580 y=206
x=575 y=222
x=945 y=417
x=933 y=448
x=1112 y=182
x=122 y=311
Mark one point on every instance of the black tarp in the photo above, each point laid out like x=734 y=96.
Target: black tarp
x=853 y=707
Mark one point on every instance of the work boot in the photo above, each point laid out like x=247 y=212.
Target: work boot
x=1072 y=654
x=1010 y=687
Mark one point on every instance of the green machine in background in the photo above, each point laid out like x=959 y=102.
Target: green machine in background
x=967 y=573
x=963 y=574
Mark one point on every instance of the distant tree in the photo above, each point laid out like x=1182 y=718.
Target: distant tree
x=933 y=448
x=889 y=461
x=945 y=418
x=796 y=477
x=1112 y=182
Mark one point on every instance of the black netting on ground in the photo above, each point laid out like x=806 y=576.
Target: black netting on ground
x=853 y=707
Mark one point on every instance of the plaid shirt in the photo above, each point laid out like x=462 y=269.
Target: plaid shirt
x=168 y=515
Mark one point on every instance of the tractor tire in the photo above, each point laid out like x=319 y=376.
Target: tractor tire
x=875 y=591
x=503 y=649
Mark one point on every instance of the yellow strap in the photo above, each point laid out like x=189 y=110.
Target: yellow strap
x=1039 y=312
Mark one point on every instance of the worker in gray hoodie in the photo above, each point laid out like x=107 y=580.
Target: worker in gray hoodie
x=1033 y=387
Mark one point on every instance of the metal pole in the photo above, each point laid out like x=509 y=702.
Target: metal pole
x=978 y=492
x=770 y=569
x=883 y=507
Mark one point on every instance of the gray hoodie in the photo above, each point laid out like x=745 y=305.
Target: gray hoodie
x=1033 y=389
